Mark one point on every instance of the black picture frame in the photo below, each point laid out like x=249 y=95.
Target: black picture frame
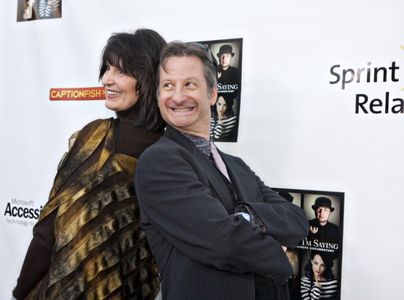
x=225 y=129
x=326 y=244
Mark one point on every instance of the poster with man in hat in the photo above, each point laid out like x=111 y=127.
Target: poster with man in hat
x=324 y=213
x=321 y=228
x=228 y=56
x=318 y=258
x=228 y=76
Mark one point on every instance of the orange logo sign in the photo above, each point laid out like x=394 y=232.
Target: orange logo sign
x=77 y=94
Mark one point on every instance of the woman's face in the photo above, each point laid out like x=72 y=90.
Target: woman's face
x=318 y=265
x=120 y=89
x=221 y=106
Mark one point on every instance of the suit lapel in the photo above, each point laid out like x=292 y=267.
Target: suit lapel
x=212 y=174
x=234 y=173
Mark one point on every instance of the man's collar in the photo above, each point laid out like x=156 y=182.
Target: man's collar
x=201 y=143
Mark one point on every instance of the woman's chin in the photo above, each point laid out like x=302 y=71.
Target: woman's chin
x=111 y=105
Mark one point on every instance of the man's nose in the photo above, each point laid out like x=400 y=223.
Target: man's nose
x=179 y=95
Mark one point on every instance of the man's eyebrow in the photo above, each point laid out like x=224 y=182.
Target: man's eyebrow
x=169 y=78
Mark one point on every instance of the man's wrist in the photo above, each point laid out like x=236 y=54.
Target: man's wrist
x=254 y=219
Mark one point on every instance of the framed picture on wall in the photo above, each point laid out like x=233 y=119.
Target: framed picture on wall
x=226 y=112
x=30 y=10
x=317 y=259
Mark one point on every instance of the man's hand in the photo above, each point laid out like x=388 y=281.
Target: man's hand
x=313 y=229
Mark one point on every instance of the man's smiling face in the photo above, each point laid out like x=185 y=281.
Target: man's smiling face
x=184 y=100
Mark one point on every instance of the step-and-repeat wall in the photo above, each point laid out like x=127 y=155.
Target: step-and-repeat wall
x=322 y=109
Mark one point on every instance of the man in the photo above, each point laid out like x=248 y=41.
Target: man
x=228 y=76
x=216 y=231
x=320 y=228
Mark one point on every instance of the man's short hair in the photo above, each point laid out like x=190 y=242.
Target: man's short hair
x=179 y=49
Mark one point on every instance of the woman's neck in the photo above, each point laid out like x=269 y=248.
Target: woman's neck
x=129 y=116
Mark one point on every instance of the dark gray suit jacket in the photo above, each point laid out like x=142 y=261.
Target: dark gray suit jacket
x=202 y=249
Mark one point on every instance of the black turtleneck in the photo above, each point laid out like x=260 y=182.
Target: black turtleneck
x=132 y=139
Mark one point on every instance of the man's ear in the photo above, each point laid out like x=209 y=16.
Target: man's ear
x=213 y=96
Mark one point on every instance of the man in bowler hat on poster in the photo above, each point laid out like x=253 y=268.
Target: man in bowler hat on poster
x=320 y=227
x=228 y=76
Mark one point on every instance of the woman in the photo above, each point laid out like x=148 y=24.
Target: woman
x=87 y=243
x=319 y=282
x=223 y=124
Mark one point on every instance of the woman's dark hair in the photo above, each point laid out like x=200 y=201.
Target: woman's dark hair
x=137 y=55
x=327 y=259
x=229 y=109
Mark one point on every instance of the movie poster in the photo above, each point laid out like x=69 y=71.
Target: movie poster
x=226 y=111
x=29 y=10
x=316 y=261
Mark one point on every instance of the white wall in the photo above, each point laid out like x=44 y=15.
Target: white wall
x=296 y=129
